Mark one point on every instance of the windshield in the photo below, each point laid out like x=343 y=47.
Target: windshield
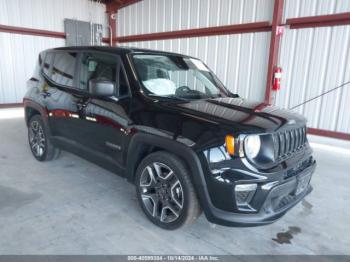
x=177 y=76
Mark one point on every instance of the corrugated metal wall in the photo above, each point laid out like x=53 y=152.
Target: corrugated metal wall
x=150 y=16
x=315 y=60
x=49 y=14
x=302 y=8
x=19 y=53
x=239 y=60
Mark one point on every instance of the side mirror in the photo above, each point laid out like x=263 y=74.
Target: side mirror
x=99 y=87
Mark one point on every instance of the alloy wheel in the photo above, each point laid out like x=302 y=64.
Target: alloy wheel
x=161 y=192
x=37 y=138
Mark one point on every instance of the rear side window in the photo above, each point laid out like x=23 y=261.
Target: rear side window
x=97 y=66
x=47 y=63
x=36 y=74
x=63 y=68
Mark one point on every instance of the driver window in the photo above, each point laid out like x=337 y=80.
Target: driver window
x=97 y=66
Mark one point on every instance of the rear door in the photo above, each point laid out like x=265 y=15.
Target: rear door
x=61 y=94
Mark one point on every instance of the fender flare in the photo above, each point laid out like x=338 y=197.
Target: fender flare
x=137 y=145
x=30 y=103
x=42 y=111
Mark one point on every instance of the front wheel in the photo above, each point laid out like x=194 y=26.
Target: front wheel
x=165 y=191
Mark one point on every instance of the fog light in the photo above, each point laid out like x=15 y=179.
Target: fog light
x=244 y=193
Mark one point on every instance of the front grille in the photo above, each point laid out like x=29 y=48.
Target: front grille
x=298 y=168
x=289 y=141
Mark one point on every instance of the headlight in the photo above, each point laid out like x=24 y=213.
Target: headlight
x=252 y=146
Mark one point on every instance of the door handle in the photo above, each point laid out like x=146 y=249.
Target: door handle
x=81 y=105
x=45 y=94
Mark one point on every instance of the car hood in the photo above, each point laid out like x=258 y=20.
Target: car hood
x=251 y=116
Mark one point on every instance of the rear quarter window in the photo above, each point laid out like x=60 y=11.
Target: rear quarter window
x=36 y=73
x=47 y=64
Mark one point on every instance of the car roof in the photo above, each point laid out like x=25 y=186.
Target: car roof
x=114 y=50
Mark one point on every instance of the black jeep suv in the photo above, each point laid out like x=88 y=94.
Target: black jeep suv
x=167 y=124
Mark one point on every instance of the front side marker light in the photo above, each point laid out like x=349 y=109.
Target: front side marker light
x=230 y=144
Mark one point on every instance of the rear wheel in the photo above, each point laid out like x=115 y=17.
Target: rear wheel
x=165 y=191
x=39 y=140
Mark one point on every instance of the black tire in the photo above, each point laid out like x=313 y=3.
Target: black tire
x=42 y=150
x=181 y=199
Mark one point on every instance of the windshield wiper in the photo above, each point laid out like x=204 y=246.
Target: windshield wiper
x=169 y=97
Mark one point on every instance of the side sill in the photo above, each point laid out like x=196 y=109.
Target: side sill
x=84 y=152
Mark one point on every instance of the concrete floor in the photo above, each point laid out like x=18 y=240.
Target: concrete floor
x=71 y=206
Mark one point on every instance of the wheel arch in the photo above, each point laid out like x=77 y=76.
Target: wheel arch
x=143 y=144
x=29 y=113
x=32 y=108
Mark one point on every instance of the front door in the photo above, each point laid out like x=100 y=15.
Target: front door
x=104 y=120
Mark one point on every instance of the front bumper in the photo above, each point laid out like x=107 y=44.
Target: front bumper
x=279 y=200
x=276 y=193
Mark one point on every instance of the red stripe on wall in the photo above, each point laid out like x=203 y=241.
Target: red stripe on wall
x=31 y=31
x=327 y=133
x=319 y=21
x=198 y=32
x=11 y=105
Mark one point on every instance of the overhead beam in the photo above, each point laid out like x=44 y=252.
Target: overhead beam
x=127 y=3
x=116 y=5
